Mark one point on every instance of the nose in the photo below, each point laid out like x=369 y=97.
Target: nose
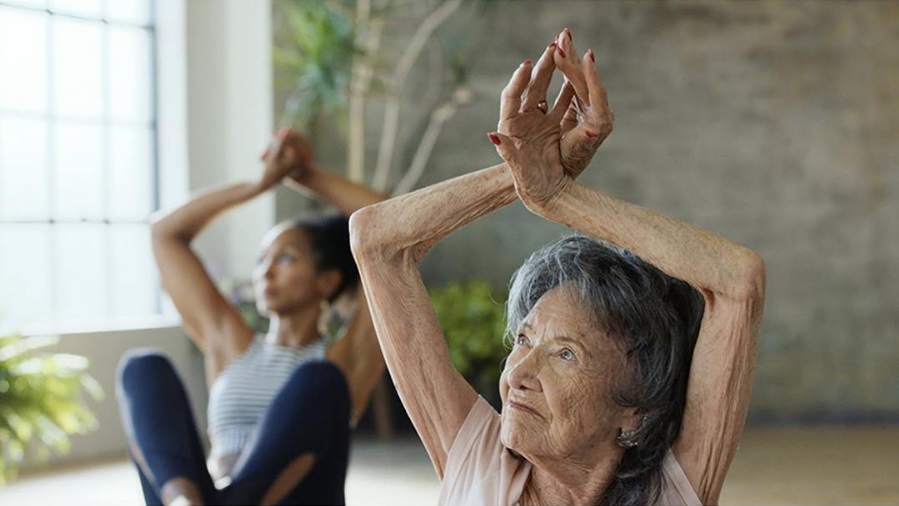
x=264 y=270
x=523 y=373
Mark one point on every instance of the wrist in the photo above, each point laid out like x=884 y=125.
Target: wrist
x=548 y=205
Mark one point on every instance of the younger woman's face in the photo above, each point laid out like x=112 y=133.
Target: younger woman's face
x=285 y=278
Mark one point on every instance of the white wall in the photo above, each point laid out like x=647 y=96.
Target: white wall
x=214 y=98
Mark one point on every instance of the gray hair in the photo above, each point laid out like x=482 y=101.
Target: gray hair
x=655 y=319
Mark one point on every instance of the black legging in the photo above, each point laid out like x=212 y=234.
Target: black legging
x=310 y=414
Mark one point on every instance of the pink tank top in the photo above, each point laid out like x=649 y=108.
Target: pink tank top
x=479 y=470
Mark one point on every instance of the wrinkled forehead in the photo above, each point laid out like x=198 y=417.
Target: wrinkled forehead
x=562 y=311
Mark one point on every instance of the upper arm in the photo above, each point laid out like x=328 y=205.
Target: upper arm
x=215 y=326
x=436 y=397
x=358 y=355
x=720 y=381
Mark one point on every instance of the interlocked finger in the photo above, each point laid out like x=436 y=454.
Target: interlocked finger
x=510 y=101
x=541 y=77
x=562 y=103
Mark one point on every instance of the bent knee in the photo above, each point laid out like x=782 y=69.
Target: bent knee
x=321 y=379
x=141 y=365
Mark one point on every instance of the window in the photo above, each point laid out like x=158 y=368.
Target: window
x=78 y=173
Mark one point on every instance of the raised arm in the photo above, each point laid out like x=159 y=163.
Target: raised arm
x=389 y=240
x=213 y=324
x=730 y=277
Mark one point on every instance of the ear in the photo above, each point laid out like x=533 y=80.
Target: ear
x=327 y=282
x=630 y=420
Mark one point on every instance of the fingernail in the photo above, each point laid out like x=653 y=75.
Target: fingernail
x=591 y=55
x=526 y=62
x=552 y=44
x=494 y=138
x=568 y=32
x=590 y=134
x=562 y=53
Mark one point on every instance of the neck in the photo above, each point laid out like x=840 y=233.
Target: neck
x=295 y=329
x=572 y=480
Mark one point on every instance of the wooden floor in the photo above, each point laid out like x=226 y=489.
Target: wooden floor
x=774 y=466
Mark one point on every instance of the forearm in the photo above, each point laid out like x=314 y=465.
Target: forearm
x=185 y=222
x=346 y=195
x=706 y=261
x=414 y=222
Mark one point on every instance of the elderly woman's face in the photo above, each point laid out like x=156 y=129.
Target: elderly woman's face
x=558 y=383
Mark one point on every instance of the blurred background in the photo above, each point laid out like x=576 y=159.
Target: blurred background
x=771 y=123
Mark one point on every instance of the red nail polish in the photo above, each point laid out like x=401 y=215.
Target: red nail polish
x=526 y=62
x=590 y=134
x=562 y=53
x=591 y=55
x=494 y=138
x=552 y=44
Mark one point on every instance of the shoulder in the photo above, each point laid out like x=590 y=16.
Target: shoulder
x=479 y=469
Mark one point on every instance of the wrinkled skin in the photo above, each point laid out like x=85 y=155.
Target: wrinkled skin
x=558 y=383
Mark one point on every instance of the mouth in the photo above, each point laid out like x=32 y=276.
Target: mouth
x=523 y=407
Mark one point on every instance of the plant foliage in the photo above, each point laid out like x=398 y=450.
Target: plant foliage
x=474 y=325
x=40 y=400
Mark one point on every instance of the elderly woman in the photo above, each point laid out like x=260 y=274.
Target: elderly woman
x=625 y=384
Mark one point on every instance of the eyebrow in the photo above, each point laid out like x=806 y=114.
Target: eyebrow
x=562 y=338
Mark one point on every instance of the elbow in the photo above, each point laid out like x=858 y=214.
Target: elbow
x=752 y=278
x=162 y=229
x=365 y=241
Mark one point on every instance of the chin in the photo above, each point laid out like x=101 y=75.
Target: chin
x=512 y=436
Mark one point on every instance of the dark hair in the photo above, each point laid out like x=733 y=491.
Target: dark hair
x=655 y=319
x=329 y=236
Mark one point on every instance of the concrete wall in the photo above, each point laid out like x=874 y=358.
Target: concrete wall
x=774 y=124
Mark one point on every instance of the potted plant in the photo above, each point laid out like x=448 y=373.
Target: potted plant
x=40 y=400
x=474 y=324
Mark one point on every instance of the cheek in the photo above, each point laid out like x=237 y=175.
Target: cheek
x=575 y=401
x=503 y=386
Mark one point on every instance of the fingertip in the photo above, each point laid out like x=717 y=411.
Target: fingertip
x=589 y=55
x=494 y=138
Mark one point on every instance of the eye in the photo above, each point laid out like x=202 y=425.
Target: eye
x=567 y=355
x=521 y=340
x=286 y=258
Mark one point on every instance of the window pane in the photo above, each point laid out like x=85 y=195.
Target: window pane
x=129 y=11
x=134 y=278
x=78 y=172
x=78 y=68
x=25 y=276
x=130 y=173
x=23 y=86
x=24 y=187
x=27 y=3
x=129 y=74
x=81 y=266
x=89 y=8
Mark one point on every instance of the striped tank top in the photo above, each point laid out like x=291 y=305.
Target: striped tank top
x=245 y=389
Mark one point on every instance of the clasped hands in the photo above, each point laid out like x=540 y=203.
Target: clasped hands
x=547 y=148
x=288 y=155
